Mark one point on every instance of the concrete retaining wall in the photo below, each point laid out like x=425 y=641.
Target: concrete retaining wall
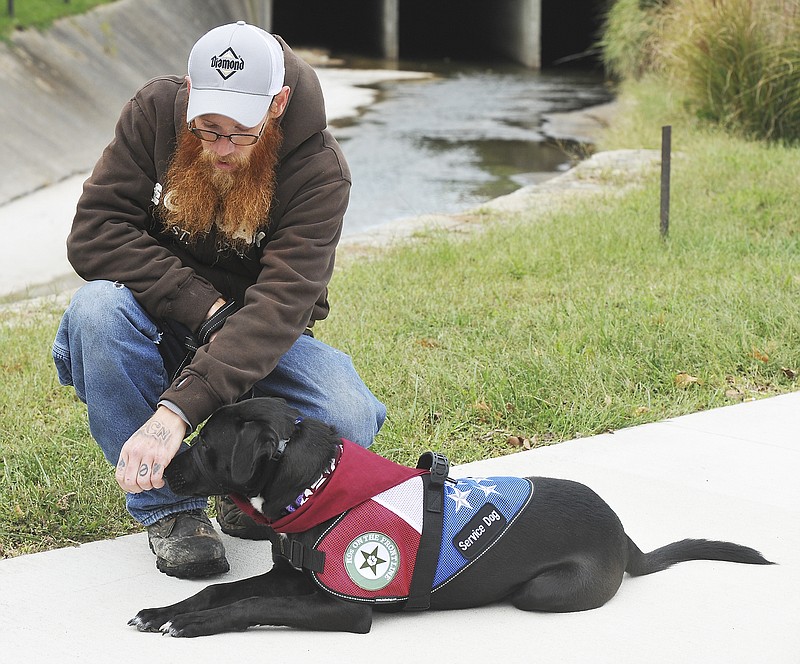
x=61 y=91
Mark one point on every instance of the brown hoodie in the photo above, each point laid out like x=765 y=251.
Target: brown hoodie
x=281 y=286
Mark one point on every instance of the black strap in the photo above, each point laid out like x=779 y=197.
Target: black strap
x=191 y=342
x=302 y=556
x=215 y=322
x=419 y=596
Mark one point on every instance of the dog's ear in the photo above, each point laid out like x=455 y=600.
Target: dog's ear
x=254 y=444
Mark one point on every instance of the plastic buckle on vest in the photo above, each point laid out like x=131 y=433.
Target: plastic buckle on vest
x=438 y=464
x=303 y=557
x=295 y=553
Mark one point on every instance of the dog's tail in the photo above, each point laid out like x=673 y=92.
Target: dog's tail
x=689 y=549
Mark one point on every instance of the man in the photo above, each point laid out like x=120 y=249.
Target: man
x=207 y=233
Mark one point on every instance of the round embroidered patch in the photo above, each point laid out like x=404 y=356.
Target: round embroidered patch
x=372 y=560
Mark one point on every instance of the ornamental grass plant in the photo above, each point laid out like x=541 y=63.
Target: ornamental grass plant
x=738 y=63
x=735 y=63
x=628 y=39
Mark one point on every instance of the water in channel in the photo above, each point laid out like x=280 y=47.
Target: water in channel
x=453 y=142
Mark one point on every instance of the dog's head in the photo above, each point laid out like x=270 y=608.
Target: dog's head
x=257 y=447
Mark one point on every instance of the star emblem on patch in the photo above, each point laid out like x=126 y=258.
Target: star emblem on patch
x=372 y=560
x=459 y=497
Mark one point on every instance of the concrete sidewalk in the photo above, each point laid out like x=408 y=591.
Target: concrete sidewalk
x=729 y=473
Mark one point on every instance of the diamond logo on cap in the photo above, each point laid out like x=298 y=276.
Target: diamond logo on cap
x=227 y=63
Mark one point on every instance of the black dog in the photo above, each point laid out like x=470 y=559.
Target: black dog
x=554 y=545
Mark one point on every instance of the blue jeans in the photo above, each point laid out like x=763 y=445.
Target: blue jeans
x=107 y=348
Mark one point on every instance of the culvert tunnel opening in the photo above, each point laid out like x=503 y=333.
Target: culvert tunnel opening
x=464 y=30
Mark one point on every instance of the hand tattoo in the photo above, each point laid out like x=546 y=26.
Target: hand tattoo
x=156 y=468
x=143 y=470
x=121 y=463
x=156 y=430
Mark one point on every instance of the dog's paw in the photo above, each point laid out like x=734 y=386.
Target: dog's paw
x=149 y=620
x=186 y=626
x=204 y=623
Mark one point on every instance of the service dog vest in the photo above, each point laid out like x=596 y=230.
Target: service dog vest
x=371 y=547
x=370 y=551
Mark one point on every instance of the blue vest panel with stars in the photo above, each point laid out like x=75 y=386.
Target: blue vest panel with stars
x=477 y=511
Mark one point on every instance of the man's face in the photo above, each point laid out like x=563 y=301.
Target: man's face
x=222 y=154
x=218 y=184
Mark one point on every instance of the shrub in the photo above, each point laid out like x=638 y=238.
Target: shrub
x=628 y=37
x=737 y=62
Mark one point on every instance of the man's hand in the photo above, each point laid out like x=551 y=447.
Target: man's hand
x=148 y=451
x=214 y=308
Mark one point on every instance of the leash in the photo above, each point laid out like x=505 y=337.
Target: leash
x=192 y=342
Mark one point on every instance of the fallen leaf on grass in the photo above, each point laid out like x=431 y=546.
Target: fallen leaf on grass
x=760 y=355
x=735 y=395
x=791 y=374
x=520 y=442
x=483 y=412
x=684 y=380
x=63 y=502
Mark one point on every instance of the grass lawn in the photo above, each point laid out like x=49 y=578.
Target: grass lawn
x=40 y=14
x=544 y=326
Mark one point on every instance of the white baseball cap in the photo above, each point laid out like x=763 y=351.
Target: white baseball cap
x=235 y=71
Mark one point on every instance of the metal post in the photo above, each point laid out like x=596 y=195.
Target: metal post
x=666 y=150
x=11 y=8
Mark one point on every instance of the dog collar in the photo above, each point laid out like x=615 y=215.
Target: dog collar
x=309 y=492
x=281 y=447
x=246 y=505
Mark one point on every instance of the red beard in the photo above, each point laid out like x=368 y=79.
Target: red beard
x=198 y=196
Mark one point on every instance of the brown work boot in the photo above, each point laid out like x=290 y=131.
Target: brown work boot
x=232 y=521
x=187 y=546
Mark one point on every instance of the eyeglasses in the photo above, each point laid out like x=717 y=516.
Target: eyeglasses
x=237 y=139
